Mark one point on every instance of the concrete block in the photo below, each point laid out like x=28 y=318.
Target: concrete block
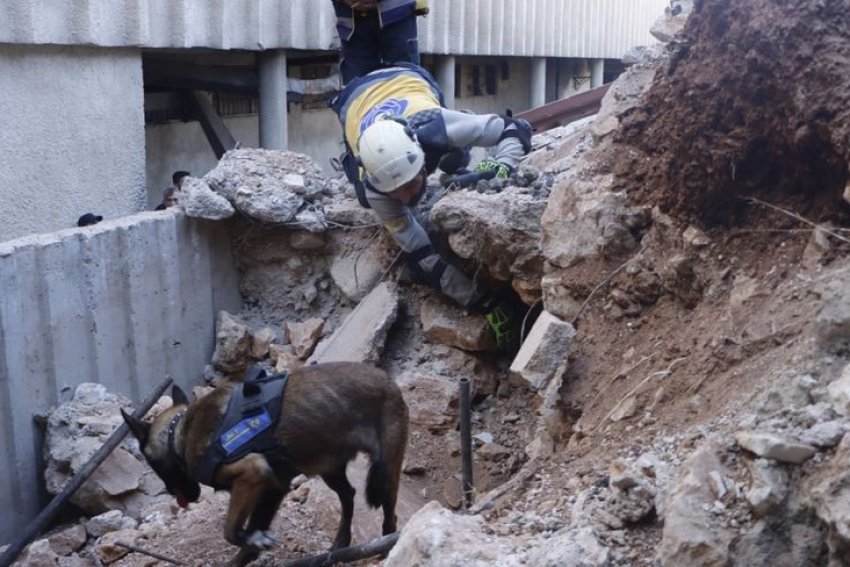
x=361 y=336
x=543 y=351
x=447 y=325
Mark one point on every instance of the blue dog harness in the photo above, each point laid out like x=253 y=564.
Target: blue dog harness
x=248 y=425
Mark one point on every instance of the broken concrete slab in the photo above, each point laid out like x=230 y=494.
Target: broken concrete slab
x=542 y=352
x=361 y=336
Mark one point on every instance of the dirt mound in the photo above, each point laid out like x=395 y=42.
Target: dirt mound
x=753 y=102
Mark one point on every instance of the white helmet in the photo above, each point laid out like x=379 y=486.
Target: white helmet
x=390 y=155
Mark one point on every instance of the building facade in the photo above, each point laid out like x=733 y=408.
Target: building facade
x=99 y=100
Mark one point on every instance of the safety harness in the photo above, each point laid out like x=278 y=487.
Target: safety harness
x=248 y=425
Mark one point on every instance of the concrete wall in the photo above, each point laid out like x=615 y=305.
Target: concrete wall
x=72 y=136
x=124 y=303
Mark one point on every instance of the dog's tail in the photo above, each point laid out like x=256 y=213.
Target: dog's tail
x=377 y=482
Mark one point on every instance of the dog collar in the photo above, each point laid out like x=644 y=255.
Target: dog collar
x=171 y=427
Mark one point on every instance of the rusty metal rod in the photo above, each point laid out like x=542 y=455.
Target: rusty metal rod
x=347 y=554
x=465 y=444
x=153 y=554
x=49 y=512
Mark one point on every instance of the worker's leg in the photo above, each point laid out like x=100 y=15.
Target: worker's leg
x=362 y=52
x=400 y=42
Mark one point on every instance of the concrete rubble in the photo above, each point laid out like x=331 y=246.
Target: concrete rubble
x=748 y=466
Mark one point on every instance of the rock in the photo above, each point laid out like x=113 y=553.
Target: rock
x=108 y=551
x=679 y=276
x=572 y=547
x=695 y=238
x=68 y=540
x=839 y=393
x=673 y=21
x=261 y=341
x=305 y=335
x=111 y=521
x=781 y=543
x=825 y=435
x=432 y=401
x=558 y=295
x=624 y=410
x=542 y=352
x=198 y=200
x=827 y=492
x=447 y=325
x=771 y=446
x=436 y=537
x=768 y=486
x=38 y=554
x=818 y=245
x=232 y=343
x=267 y=185
x=501 y=231
x=75 y=431
x=357 y=272
x=691 y=536
x=493 y=452
x=642 y=54
x=832 y=324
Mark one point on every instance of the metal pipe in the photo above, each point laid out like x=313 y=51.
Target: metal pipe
x=465 y=444
x=47 y=514
x=379 y=546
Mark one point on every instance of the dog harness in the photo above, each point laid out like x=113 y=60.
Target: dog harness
x=248 y=425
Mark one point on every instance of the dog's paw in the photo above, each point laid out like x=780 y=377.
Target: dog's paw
x=260 y=540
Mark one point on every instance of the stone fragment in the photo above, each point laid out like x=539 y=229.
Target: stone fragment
x=571 y=547
x=825 y=435
x=832 y=323
x=198 y=200
x=261 y=341
x=542 y=352
x=38 y=554
x=771 y=446
x=768 y=486
x=232 y=343
x=447 y=325
x=432 y=401
x=435 y=536
x=839 y=393
x=691 y=536
x=111 y=521
x=68 y=540
x=305 y=335
x=107 y=549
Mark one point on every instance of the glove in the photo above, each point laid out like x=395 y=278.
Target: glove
x=503 y=310
x=502 y=170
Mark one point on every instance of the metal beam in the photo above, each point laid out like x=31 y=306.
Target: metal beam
x=565 y=110
x=218 y=135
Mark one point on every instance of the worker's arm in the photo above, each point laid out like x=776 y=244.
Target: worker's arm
x=509 y=138
x=420 y=255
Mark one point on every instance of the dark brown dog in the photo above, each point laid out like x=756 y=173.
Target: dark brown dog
x=330 y=413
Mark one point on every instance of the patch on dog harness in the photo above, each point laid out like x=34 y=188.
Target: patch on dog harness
x=248 y=425
x=244 y=431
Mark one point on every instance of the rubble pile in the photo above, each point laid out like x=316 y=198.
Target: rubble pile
x=683 y=399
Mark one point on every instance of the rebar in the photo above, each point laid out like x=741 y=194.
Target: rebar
x=466 y=444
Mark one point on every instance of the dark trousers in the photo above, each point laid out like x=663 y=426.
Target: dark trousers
x=372 y=46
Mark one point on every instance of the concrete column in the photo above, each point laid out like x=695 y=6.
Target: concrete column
x=273 y=86
x=538 y=82
x=597 y=73
x=446 y=78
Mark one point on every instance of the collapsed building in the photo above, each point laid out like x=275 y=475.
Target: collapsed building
x=683 y=400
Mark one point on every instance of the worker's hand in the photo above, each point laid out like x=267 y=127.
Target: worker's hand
x=502 y=170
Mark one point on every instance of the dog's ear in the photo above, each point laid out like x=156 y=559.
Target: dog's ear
x=141 y=429
x=178 y=396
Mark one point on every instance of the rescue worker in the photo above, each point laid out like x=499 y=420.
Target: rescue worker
x=398 y=131
x=375 y=33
